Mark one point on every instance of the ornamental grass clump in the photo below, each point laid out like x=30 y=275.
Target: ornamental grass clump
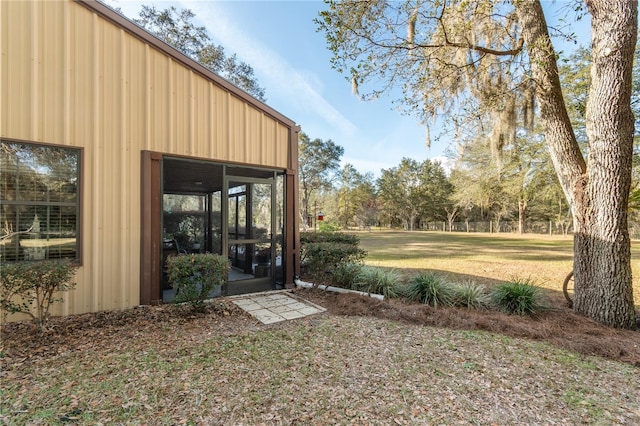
x=194 y=276
x=379 y=281
x=431 y=289
x=519 y=296
x=470 y=295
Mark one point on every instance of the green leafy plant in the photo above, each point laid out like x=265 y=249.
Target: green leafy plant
x=470 y=295
x=194 y=276
x=328 y=226
x=519 y=296
x=329 y=237
x=431 y=289
x=30 y=287
x=345 y=275
x=378 y=280
x=324 y=251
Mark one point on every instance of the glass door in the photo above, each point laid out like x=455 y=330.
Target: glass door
x=250 y=221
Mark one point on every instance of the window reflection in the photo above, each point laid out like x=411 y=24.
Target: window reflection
x=39 y=202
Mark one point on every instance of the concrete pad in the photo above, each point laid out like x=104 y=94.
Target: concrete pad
x=261 y=312
x=280 y=309
x=272 y=308
x=277 y=297
x=309 y=311
x=296 y=306
x=251 y=307
x=271 y=303
x=292 y=315
x=244 y=302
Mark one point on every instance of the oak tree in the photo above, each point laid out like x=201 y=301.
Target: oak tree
x=491 y=59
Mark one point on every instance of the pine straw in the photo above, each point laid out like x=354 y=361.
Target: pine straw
x=363 y=362
x=558 y=326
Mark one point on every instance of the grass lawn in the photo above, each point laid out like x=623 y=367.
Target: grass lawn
x=485 y=258
x=327 y=369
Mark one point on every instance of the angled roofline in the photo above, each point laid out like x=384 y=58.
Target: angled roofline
x=147 y=37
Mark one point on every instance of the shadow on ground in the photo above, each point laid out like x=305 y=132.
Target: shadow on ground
x=558 y=325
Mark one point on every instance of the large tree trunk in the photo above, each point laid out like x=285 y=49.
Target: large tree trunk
x=522 y=211
x=603 y=272
x=598 y=194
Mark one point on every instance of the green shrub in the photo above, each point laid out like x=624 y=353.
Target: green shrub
x=346 y=275
x=195 y=275
x=519 y=296
x=30 y=287
x=470 y=295
x=329 y=237
x=431 y=289
x=324 y=251
x=380 y=281
x=328 y=226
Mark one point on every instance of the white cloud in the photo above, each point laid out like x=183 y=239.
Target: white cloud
x=297 y=87
x=446 y=163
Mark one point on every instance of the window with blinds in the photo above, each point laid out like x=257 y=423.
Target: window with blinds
x=39 y=202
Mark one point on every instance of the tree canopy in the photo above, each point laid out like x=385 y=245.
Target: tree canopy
x=318 y=165
x=414 y=191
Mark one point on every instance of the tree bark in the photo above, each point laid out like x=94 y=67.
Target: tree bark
x=522 y=211
x=603 y=273
x=598 y=193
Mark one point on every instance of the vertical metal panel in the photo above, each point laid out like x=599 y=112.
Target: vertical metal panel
x=97 y=161
x=4 y=47
x=200 y=113
x=160 y=107
x=236 y=131
x=15 y=44
x=281 y=133
x=70 y=77
x=133 y=141
x=221 y=118
x=81 y=72
x=181 y=98
x=255 y=149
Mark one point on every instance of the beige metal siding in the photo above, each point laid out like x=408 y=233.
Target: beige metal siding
x=70 y=77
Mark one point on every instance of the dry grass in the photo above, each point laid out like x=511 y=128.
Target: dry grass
x=159 y=367
x=484 y=258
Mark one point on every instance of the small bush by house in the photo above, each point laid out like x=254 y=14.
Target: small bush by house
x=194 y=276
x=32 y=287
x=323 y=251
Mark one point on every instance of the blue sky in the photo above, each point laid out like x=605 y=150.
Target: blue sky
x=290 y=59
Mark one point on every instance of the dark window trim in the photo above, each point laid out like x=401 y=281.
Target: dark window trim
x=78 y=261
